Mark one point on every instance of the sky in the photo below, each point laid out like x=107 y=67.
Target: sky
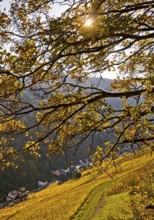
x=56 y=11
x=5 y=4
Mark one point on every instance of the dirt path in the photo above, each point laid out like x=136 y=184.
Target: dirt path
x=98 y=208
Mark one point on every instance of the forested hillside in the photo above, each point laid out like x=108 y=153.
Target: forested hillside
x=29 y=169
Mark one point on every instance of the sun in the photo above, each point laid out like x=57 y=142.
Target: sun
x=89 y=22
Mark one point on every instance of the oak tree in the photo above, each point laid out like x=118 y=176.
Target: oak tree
x=54 y=58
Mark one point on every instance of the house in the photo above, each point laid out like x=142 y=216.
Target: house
x=42 y=184
x=88 y=162
x=11 y=196
x=17 y=196
x=56 y=173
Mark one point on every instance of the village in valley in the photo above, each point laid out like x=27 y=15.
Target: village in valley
x=59 y=176
x=74 y=171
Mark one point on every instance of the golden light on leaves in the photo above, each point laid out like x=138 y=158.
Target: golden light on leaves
x=88 y=22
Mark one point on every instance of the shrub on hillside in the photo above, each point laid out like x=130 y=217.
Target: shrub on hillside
x=76 y=174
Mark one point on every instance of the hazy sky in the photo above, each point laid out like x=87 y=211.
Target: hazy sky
x=5 y=4
x=56 y=11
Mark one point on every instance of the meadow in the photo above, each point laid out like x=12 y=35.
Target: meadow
x=115 y=195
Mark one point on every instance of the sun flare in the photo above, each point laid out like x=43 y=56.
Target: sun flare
x=88 y=22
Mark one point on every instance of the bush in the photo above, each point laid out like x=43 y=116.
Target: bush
x=76 y=174
x=142 y=195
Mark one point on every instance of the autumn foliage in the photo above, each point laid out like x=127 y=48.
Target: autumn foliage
x=53 y=58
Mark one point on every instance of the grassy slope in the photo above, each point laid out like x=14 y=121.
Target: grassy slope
x=78 y=199
x=112 y=204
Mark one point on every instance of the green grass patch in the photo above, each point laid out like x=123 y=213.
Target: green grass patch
x=116 y=207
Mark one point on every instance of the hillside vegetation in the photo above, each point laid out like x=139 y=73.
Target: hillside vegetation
x=95 y=197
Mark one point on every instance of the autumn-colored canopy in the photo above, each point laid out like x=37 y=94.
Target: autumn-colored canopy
x=48 y=65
